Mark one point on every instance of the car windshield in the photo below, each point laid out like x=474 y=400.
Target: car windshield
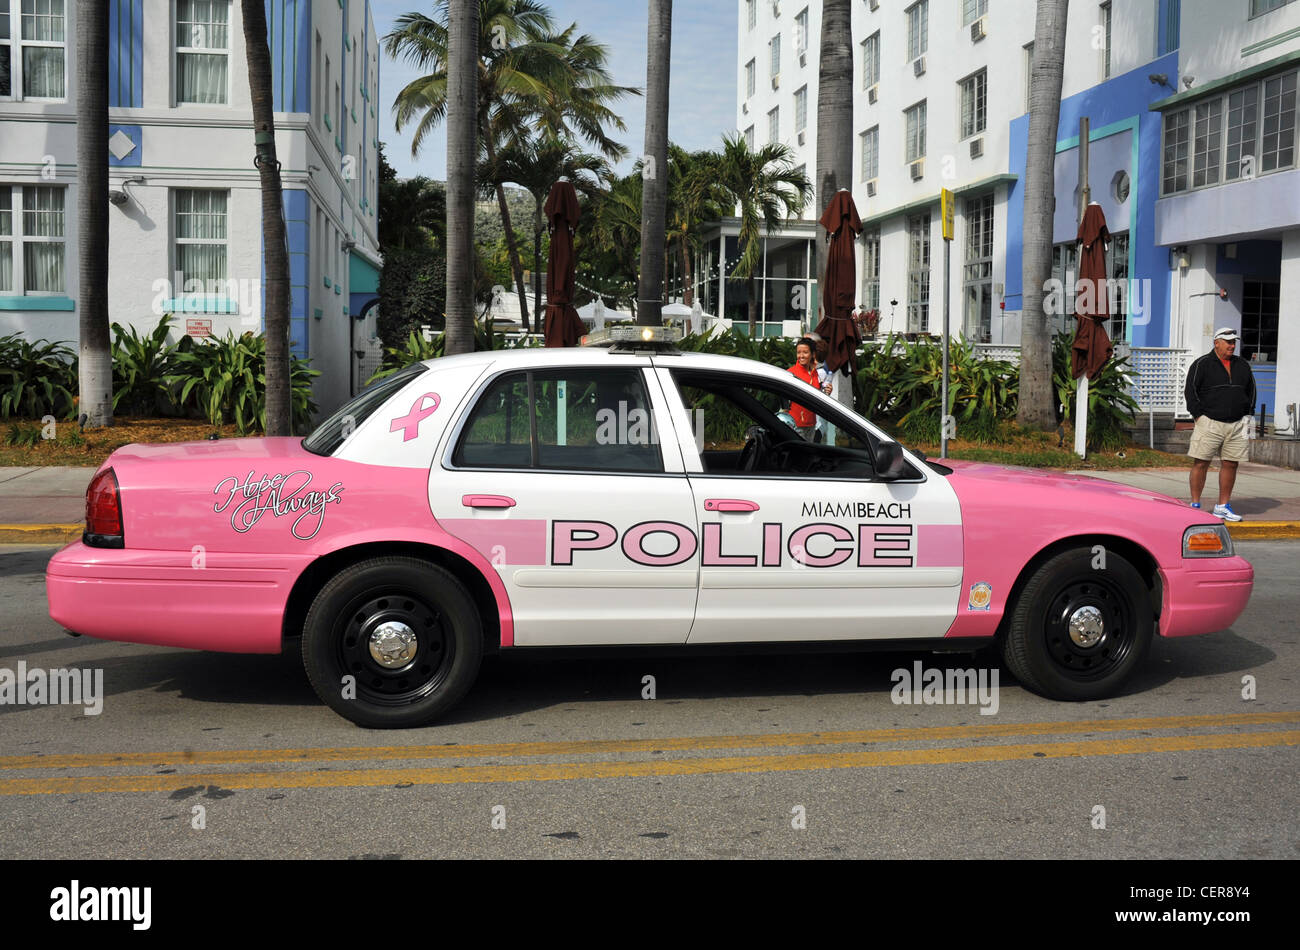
x=330 y=434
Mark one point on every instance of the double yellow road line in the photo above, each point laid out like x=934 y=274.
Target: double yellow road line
x=284 y=768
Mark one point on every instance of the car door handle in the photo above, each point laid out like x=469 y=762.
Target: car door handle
x=729 y=504
x=487 y=501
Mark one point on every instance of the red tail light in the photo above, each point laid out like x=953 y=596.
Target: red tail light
x=103 y=512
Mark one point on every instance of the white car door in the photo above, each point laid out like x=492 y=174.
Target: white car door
x=557 y=476
x=800 y=541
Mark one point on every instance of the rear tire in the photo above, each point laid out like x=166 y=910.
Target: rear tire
x=392 y=642
x=1077 y=632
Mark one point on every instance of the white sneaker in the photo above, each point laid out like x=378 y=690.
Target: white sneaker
x=1226 y=513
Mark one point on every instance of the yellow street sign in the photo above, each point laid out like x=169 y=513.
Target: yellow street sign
x=946 y=204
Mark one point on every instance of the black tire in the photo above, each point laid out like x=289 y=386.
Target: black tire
x=1039 y=649
x=419 y=600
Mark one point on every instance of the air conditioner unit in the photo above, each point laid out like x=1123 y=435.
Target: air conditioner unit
x=917 y=168
x=918 y=66
x=979 y=29
x=803 y=57
x=874 y=4
x=977 y=147
x=873 y=93
x=776 y=81
x=801 y=137
x=744 y=107
x=871 y=188
x=776 y=7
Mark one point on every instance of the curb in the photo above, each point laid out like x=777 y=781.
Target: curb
x=63 y=533
x=40 y=533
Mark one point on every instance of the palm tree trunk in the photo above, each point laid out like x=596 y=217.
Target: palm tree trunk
x=512 y=246
x=654 y=191
x=688 y=295
x=95 y=366
x=274 y=236
x=462 y=150
x=1036 y=396
x=834 y=111
x=753 y=306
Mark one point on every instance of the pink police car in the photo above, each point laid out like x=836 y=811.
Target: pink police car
x=629 y=495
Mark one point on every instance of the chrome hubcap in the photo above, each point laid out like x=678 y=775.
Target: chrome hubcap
x=1086 y=626
x=393 y=644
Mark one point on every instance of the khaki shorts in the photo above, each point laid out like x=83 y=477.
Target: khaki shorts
x=1225 y=439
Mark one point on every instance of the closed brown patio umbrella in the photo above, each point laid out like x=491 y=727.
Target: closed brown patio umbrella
x=837 y=327
x=1092 y=347
x=563 y=326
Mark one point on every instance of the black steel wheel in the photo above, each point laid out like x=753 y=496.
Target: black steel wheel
x=1076 y=632
x=392 y=642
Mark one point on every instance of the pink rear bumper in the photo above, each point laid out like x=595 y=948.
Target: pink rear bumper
x=179 y=599
x=1203 y=596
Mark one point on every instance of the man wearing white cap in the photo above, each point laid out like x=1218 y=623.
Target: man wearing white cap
x=1220 y=393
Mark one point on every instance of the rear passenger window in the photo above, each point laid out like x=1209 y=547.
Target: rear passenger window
x=565 y=420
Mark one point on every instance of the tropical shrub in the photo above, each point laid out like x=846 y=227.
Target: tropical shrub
x=37 y=378
x=1111 y=405
x=142 y=364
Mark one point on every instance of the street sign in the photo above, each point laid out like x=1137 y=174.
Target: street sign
x=946 y=204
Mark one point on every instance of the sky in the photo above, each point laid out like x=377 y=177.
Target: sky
x=701 y=96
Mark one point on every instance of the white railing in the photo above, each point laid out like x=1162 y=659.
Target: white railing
x=1159 y=374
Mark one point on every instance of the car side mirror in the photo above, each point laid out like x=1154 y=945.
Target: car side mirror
x=888 y=460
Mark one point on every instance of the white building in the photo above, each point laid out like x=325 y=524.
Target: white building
x=185 y=221
x=941 y=95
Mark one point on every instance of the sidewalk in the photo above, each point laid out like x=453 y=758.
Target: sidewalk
x=48 y=505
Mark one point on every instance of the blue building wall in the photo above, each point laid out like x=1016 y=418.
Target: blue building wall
x=1121 y=102
x=288 y=33
x=126 y=54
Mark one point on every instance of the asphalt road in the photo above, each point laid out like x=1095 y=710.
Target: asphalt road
x=212 y=755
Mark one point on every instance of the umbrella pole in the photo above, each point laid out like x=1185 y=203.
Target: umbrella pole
x=1085 y=195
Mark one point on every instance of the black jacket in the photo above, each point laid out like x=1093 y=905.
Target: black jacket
x=1222 y=396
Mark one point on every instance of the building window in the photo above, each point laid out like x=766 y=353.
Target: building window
x=751 y=12
x=972 y=10
x=801 y=31
x=750 y=72
x=871 y=269
x=201 y=239
x=1065 y=270
x=202 y=51
x=317 y=105
x=871 y=60
x=775 y=48
x=918 y=273
x=1279 y=122
x=774 y=125
x=973 y=97
x=1206 y=145
x=40 y=61
x=1118 y=291
x=1170 y=25
x=916 y=131
x=871 y=153
x=6 y=239
x=918 y=29
x=977 y=272
x=1029 y=72
x=1175 y=152
x=1260 y=7
x=42 y=233
x=749 y=138
x=801 y=109
x=1243 y=127
x=1105 y=53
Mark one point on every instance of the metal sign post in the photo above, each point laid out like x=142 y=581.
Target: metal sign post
x=946 y=215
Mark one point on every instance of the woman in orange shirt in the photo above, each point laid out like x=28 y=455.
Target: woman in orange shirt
x=805 y=368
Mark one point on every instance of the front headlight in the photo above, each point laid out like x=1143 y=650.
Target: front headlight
x=1207 y=540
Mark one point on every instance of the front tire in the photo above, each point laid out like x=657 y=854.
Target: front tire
x=1078 y=632
x=392 y=642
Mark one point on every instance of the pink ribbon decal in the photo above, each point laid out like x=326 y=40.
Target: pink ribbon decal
x=410 y=423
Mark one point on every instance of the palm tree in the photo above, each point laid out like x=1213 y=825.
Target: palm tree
x=694 y=197
x=834 y=111
x=95 y=367
x=537 y=165
x=530 y=78
x=1036 y=394
x=654 y=191
x=609 y=236
x=275 y=248
x=460 y=103
x=770 y=190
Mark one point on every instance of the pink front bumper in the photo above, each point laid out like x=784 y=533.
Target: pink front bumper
x=172 y=598
x=1203 y=596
